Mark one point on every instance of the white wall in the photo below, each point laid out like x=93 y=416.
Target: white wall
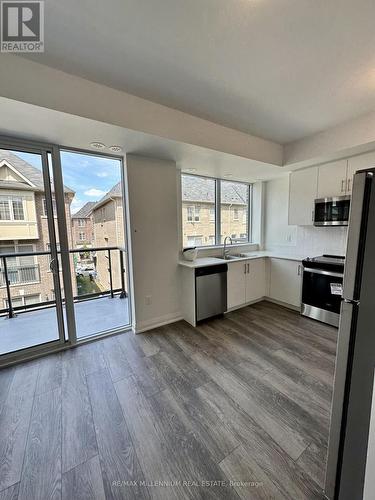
x=34 y=83
x=304 y=241
x=152 y=197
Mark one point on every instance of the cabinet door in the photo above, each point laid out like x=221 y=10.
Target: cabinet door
x=286 y=281
x=358 y=163
x=236 y=284
x=332 y=179
x=256 y=280
x=302 y=193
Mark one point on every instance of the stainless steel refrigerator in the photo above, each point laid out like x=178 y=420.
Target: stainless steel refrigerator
x=355 y=363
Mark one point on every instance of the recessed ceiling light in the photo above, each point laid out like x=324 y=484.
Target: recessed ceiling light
x=115 y=149
x=97 y=145
x=190 y=169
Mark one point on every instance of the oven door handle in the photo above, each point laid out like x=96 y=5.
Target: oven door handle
x=320 y=271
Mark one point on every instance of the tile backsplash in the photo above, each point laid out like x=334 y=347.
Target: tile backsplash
x=311 y=241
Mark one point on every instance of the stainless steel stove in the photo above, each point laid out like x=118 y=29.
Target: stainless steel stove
x=322 y=288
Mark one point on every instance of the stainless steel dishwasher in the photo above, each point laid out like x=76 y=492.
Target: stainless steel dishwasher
x=210 y=291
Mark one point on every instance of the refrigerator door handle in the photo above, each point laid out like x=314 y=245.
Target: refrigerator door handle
x=354 y=235
x=351 y=301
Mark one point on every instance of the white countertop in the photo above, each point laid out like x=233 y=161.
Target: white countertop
x=212 y=261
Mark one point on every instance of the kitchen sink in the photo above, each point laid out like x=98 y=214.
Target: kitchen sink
x=234 y=256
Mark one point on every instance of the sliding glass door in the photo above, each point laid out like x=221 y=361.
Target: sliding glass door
x=63 y=258
x=97 y=242
x=31 y=306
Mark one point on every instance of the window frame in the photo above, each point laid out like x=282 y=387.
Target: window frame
x=217 y=211
x=9 y=200
x=44 y=207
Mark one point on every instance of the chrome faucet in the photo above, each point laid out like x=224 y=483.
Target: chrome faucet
x=225 y=250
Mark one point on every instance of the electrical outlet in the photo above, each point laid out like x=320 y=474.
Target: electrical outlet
x=148 y=300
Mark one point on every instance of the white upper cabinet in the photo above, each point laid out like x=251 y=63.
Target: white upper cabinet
x=303 y=186
x=332 y=179
x=358 y=163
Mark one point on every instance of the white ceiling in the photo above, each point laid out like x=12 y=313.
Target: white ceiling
x=30 y=122
x=280 y=69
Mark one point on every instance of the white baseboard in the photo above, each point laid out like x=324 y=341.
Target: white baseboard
x=246 y=304
x=144 y=326
x=283 y=304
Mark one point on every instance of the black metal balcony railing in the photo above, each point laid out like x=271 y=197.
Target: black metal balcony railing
x=20 y=275
x=11 y=275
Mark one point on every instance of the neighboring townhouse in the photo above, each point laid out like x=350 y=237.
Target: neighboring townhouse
x=198 y=211
x=108 y=223
x=82 y=226
x=24 y=228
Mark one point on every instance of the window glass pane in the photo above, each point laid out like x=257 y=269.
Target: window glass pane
x=18 y=209
x=4 y=209
x=198 y=210
x=234 y=206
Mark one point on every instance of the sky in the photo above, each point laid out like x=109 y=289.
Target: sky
x=91 y=177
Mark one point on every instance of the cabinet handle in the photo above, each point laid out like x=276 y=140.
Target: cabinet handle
x=299 y=270
x=342 y=185
x=349 y=186
x=244 y=268
x=248 y=269
x=312 y=215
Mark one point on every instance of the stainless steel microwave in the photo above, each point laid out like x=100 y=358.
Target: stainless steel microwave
x=332 y=211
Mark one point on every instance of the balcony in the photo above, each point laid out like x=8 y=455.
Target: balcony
x=28 y=306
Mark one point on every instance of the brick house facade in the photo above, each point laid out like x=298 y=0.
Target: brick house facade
x=24 y=228
x=82 y=226
x=108 y=225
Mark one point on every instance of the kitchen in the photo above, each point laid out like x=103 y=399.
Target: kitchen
x=306 y=212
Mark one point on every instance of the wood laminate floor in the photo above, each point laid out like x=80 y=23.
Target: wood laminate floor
x=236 y=408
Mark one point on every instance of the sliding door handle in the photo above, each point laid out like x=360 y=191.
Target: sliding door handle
x=52 y=266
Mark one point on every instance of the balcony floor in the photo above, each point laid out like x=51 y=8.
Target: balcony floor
x=38 y=327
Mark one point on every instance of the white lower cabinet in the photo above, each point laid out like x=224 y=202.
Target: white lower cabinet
x=246 y=281
x=286 y=281
x=236 y=284
x=256 y=280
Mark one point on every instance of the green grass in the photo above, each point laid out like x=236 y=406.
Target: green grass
x=85 y=285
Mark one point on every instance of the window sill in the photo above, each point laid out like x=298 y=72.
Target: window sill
x=216 y=247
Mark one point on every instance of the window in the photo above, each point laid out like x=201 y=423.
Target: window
x=195 y=241
x=81 y=222
x=203 y=212
x=22 y=269
x=198 y=202
x=25 y=300
x=82 y=236
x=193 y=213
x=234 y=198
x=17 y=206
x=11 y=208
x=4 y=209
x=53 y=207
